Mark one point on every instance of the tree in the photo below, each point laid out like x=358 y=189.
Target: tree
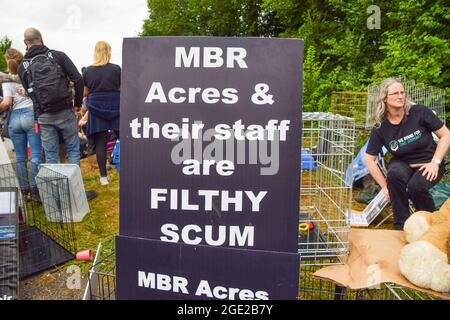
x=343 y=51
x=5 y=43
x=418 y=47
x=345 y=47
x=208 y=18
x=412 y=40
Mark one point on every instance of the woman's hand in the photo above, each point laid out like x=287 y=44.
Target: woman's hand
x=21 y=92
x=5 y=103
x=430 y=170
x=376 y=173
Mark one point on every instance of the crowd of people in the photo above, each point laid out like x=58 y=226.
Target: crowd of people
x=51 y=104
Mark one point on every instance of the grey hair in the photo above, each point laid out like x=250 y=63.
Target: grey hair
x=380 y=104
x=32 y=36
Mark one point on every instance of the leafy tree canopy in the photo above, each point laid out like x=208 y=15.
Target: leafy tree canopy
x=348 y=44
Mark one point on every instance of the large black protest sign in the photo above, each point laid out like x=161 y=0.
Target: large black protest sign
x=210 y=141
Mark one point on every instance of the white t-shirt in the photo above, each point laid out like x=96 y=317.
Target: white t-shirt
x=11 y=89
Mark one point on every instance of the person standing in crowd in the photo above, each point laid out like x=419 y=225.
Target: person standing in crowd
x=45 y=75
x=102 y=88
x=48 y=87
x=418 y=161
x=21 y=127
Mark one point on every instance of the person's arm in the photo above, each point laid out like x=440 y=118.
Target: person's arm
x=8 y=97
x=376 y=173
x=72 y=73
x=431 y=169
x=6 y=103
x=83 y=120
x=374 y=147
x=4 y=77
x=85 y=92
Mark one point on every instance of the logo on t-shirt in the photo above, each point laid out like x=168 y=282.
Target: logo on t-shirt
x=394 y=145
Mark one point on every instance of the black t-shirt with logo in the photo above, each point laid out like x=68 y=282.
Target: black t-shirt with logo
x=411 y=140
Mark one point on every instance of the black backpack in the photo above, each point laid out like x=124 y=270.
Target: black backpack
x=48 y=82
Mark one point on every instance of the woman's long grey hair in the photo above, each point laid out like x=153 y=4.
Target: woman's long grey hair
x=380 y=104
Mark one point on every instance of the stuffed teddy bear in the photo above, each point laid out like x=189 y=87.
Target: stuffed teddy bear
x=424 y=261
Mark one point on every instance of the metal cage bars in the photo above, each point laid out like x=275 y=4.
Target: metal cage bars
x=327 y=150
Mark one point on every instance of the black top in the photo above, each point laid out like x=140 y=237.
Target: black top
x=66 y=64
x=103 y=78
x=409 y=141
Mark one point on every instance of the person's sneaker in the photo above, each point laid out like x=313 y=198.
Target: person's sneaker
x=91 y=194
x=104 y=181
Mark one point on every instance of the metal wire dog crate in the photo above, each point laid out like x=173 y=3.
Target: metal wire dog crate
x=43 y=243
x=102 y=275
x=389 y=291
x=312 y=288
x=48 y=210
x=327 y=149
x=419 y=93
x=350 y=104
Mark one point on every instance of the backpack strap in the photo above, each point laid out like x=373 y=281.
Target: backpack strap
x=48 y=54
x=26 y=65
x=28 y=62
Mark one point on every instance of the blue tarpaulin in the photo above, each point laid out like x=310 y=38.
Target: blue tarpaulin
x=307 y=160
x=357 y=169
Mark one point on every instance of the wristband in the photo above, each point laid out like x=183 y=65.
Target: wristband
x=436 y=161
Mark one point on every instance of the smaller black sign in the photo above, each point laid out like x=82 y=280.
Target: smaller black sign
x=150 y=269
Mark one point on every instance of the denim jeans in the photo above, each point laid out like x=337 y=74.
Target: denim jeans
x=22 y=132
x=59 y=123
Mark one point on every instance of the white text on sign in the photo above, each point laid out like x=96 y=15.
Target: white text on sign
x=212 y=57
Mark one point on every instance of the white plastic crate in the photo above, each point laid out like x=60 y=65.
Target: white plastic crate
x=62 y=192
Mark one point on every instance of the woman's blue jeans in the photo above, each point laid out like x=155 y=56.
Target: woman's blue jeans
x=22 y=132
